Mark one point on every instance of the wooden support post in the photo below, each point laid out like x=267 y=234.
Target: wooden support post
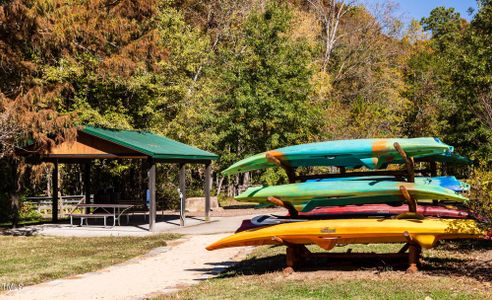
x=343 y=170
x=208 y=186
x=292 y=210
x=291 y=257
x=444 y=169
x=182 y=194
x=152 y=206
x=414 y=251
x=409 y=163
x=87 y=185
x=54 y=180
x=412 y=204
x=296 y=255
x=433 y=168
x=291 y=173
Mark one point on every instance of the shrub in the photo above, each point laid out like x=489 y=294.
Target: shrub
x=481 y=196
x=28 y=212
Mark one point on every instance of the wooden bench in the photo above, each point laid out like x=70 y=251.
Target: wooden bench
x=85 y=217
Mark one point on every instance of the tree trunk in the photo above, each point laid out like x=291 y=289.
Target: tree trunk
x=246 y=179
x=48 y=181
x=15 y=207
x=329 y=13
x=16 y=172
x=219 y=185
x=230 y=187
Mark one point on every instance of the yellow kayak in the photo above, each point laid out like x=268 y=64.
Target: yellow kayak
x=328 y=233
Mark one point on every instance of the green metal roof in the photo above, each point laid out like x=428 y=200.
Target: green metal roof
x=153 y=145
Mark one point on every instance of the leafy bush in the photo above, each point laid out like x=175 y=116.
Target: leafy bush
x=481 y=196
x=273 y=176
x=28 y=212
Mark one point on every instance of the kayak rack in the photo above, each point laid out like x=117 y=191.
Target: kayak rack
x=299 y=255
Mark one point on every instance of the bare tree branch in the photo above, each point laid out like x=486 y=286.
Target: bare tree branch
x=484 y=112
x=218 y=23
x=9 y=131
x=329 y=14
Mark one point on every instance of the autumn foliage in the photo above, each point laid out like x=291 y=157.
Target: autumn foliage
x=240 y=77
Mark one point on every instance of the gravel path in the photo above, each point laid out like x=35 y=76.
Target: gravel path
x=182 y=263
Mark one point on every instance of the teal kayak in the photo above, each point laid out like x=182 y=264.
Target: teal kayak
x=371 y=153
x=451 y=158
x=449 y=182
x=308 y=195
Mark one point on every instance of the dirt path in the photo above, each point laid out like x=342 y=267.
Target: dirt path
x=183 y=263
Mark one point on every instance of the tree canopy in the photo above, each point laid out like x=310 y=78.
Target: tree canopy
x=240 y=77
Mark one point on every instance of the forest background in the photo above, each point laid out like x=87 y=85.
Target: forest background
x=236 y=77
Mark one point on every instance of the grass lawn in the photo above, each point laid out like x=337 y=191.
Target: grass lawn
x=451 y=271
x=33 y=259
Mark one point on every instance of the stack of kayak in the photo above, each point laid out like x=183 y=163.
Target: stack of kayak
x=381 y=204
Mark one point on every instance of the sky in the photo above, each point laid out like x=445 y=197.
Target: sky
x=417 y=9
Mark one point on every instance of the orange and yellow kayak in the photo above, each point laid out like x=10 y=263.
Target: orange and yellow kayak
x=329 y=233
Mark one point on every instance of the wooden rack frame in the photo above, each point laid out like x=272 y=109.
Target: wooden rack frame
x=296 y=255
x=299 y=255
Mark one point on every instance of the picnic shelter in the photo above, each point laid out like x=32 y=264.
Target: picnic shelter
x=102 y=143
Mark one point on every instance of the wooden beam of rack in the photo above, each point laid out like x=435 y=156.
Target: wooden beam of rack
x=292 y=210
x=412 y=204
x=409 y=163
x=291 y=173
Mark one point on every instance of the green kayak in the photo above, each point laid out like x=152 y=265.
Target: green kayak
x=308 y=195
x=371 y=153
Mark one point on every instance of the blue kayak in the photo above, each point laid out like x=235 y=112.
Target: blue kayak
x=449 y=182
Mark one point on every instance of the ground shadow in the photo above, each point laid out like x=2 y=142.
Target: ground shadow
x=256 y=266
x=216 y=268
x=21 y=231
x=140 y=221
x=7 y=226
x=470 y=258
x=466 y=245
x=239 y=206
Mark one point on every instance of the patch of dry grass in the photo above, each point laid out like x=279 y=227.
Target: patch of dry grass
x=33 y=259
x=333 y=285
x=456 y=270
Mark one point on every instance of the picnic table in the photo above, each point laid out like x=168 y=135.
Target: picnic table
x=101 y=211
